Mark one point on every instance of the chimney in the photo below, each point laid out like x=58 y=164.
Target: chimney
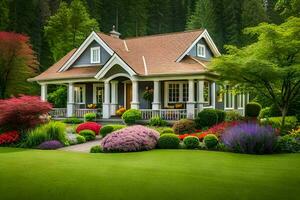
x=114 y=33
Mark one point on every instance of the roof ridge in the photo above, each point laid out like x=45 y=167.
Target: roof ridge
x=155 y=35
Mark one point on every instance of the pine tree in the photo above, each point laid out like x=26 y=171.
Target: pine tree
x=68 y=28
x=272 y=14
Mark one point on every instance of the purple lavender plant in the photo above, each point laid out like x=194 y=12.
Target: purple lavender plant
x=134 y=138
x=52 y=144
x=250 y=138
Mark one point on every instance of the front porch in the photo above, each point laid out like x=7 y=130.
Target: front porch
x=172 y=99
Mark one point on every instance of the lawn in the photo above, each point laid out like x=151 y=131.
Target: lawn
x=157 y=174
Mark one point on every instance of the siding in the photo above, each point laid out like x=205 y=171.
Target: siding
x=208 y=53
x=85 y=57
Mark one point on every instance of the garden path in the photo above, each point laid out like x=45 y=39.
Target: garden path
x=85 y=147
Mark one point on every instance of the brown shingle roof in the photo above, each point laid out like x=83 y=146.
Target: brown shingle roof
x=160 y=53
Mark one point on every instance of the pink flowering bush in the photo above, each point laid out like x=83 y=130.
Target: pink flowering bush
x=133 y=138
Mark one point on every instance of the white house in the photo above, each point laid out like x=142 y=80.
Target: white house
x=113 y=72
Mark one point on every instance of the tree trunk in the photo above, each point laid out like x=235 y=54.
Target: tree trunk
x=283 y=115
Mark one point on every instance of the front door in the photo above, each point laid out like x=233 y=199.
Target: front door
x=128 y=95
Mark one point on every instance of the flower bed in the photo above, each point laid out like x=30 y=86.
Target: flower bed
x=9 y=137
x=93 y=126
x=219 y=129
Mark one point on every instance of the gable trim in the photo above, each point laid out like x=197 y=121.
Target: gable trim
x=93 y=36
x=114 y=60
x=208 y=40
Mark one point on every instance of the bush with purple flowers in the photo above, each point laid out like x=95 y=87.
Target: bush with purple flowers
x=133 y=138
x=250 y=138
x=52 y=144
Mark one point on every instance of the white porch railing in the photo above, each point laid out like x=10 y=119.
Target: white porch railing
x=82 y=112
x=58 y=112
x=166 y=114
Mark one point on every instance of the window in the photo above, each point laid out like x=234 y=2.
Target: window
x=95 y=55
x=79 y=94
x=229 y=98
x=176 y=92
x=98 y=94
x=201 y=50
x=206 y=92
x=240 y=100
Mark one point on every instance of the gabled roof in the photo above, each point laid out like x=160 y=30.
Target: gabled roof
x=143 y=56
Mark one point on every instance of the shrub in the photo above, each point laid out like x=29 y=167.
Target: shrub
x=106 y=130
x=130 y=116
x=36 y=137
x=221 y=115
x=88 y=135
x=89 y=117
x=184 y=126
x=250 y=138
x=80 y=139
x=210 y=141
x=168 y=141
x=133 y=138
x=275 y=122
x=72 y=139
x=233 y=116
x=96 y=149
x=110 y=128
x=120 y=111
x=191 y=142
x=252 y=109
x=52 y=144
x=290 y=142
x=93 y=126
x=23 y=112
x=9 y=137
x=72 y=120
x=265 y=113
x=167 y=130
x=206 y=118
x=157 y=121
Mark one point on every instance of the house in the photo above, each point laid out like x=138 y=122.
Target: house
x=113 y=72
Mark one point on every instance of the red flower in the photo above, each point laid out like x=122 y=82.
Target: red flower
x=93 y=126
x=219 y=129
x=9 y=137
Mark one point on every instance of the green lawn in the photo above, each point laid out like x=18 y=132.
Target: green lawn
x=155 y=175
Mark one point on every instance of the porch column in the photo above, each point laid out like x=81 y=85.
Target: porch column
x=44 y=92
x=114 y=97
x=135 y=104
x=213 y=95
x=200 y=97
x=106 y=104
x=190 y=106
x=156 y=96
x=70 y=105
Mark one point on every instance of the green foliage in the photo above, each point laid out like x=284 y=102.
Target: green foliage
x=50 y=131
x=221 y=115
x=184 y=126
x=265 y=113
x=68 y=28
x=206 y=118
x=130 y=116
x=168 y=141
x=96 y=149
x=268 y=66
x=58 y=97
x=288 y=8
x=72 y=120
x=233 y=116
x=89 y=117
x=290 y=142
x=290 y=123
x=210 y=141
x=80 y=139
x=157 y=121
x=252 y=109
x=106 y=130
x=4 y=14
x=162 y=130
x=191 y=142
x=88 y=135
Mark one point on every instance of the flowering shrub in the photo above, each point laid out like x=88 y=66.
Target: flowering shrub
x=93 y=126
x=22 y=112
x=184 y=126
x=120 y=111
x=219 y=129
x=250 y=138
x=52 y=144
x=9 y=137
x=290 y=142
x=134 y=138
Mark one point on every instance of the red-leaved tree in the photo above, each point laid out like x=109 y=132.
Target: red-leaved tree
x=19 y=113
x=17 y=63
